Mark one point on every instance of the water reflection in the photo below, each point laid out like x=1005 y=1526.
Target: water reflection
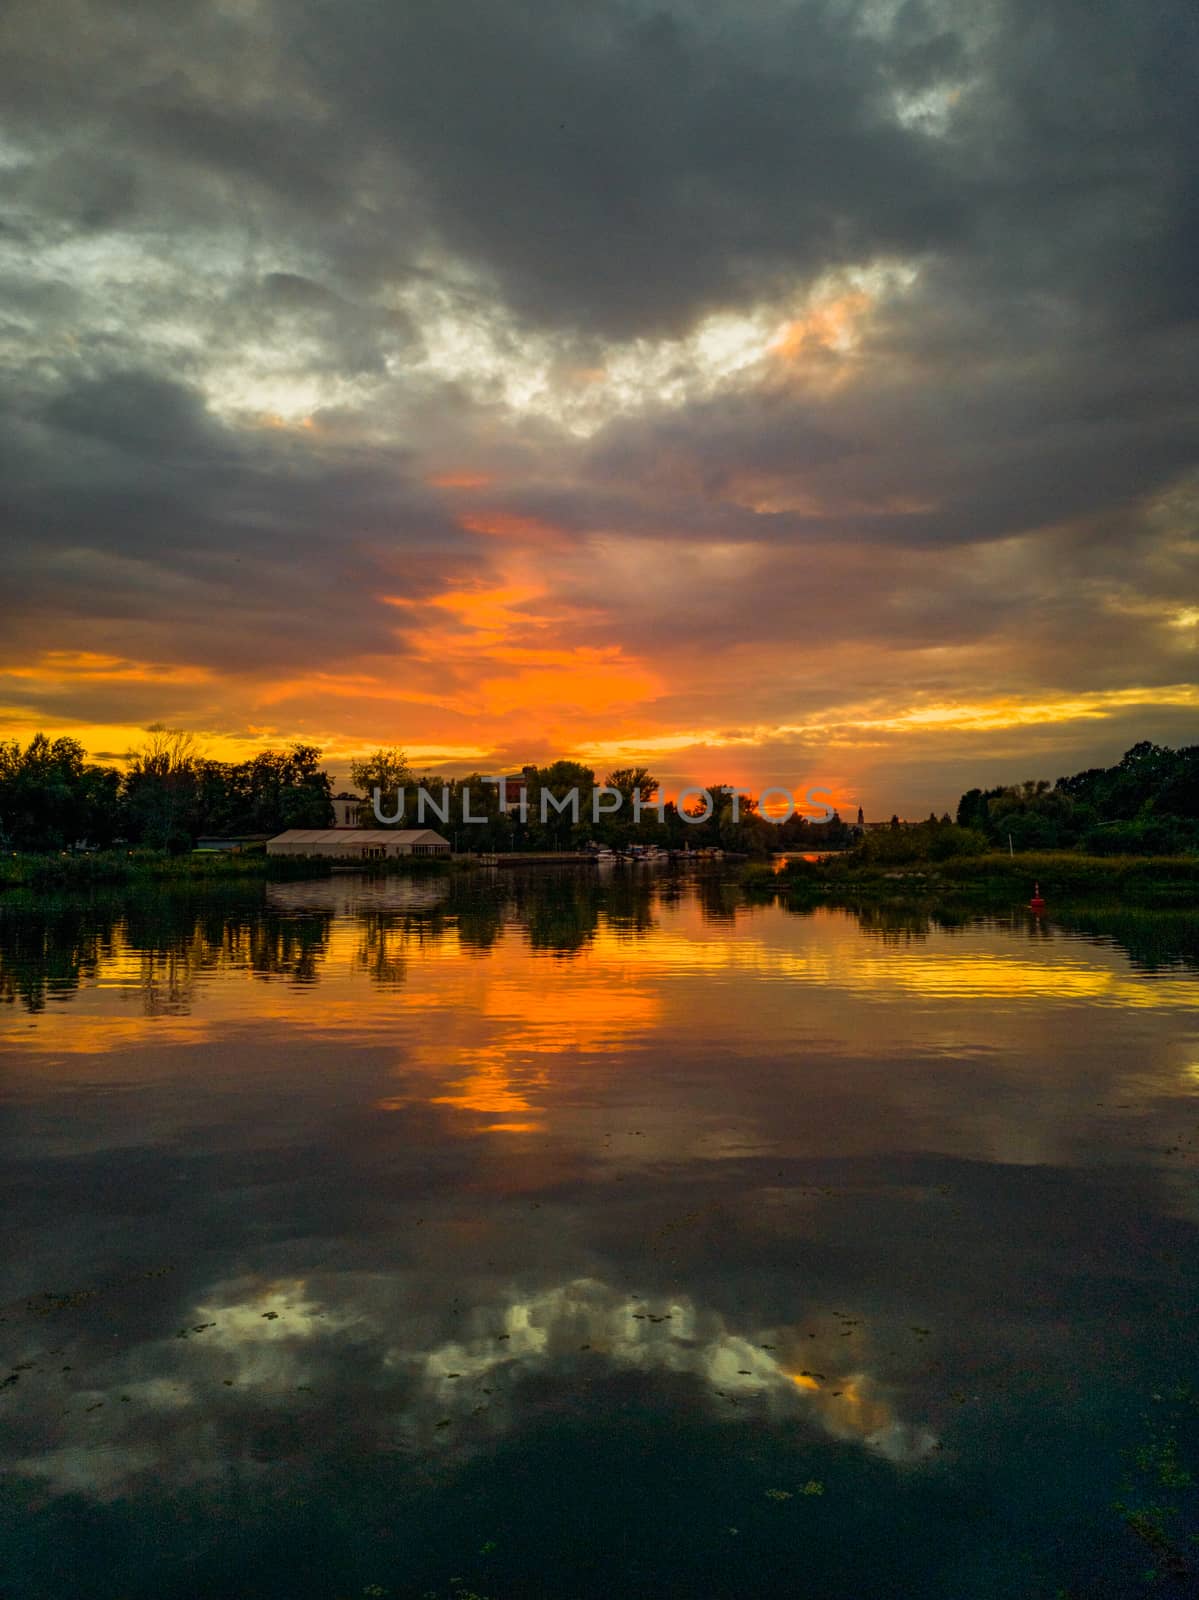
x=162 y=945
x=274 y=1342
x=636 y=1231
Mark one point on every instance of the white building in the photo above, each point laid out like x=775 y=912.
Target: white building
x=346 y=809
x=358 y=844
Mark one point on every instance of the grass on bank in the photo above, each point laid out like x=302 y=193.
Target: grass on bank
x=105 y=867
x=853 y=875
x=1061 y=874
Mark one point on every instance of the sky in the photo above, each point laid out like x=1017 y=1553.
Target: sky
x=790 y=394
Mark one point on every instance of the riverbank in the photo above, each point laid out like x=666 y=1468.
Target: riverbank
x=1063 y=876
x=843 y=879
x=109 y=867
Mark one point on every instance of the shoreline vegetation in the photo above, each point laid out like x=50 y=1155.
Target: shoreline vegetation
x=1129 y=831
x=844 y=878
x=104 y=868
x=992 y=877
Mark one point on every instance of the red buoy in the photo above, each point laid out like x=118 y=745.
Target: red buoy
x=1036 y=903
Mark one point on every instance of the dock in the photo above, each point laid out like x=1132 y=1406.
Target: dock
x=534 y=858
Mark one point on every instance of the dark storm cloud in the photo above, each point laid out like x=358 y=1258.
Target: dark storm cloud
x=123 y=494
x=1021 y=440
x=618 y=168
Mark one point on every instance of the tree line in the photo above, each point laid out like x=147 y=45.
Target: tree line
x=1146 y=804
x=168 y=796
x=732 y=822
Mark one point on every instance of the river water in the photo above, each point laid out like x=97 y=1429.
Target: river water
x=579 y=1235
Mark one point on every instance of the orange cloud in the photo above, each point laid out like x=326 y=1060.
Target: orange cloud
x=497 y=649
x=507 y=525
x=828 y=325
x=459 y=479
x=57 y=668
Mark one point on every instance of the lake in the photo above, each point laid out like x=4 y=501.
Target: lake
x=577 y=1235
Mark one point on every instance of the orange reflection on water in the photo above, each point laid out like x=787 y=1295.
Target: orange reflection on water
x=803 y=1380
x=725 y=1029
x=530 y=1035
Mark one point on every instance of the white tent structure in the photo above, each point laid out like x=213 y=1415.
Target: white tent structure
x=358 y=844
